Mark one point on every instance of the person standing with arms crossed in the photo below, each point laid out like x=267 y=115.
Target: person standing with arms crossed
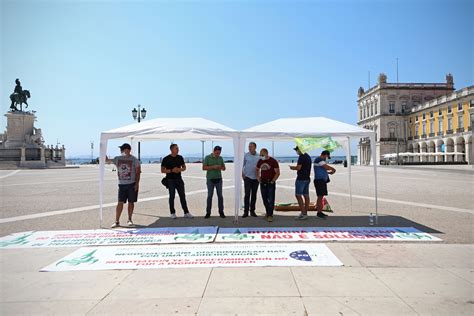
x=303 y=168
x=128 y=172
x=213 y=164
x=249 y=176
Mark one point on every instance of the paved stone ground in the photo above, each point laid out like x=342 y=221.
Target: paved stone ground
x=377 y=278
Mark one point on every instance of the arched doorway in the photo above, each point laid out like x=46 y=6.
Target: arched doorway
x=416 y=151
x=410 y=150
x=431 y=150
x=460 y=149
x=449 y=149
x=469 y=150
x=440 y=149
x=424 y=149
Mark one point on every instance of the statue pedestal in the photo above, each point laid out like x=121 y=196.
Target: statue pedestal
x=19 y=125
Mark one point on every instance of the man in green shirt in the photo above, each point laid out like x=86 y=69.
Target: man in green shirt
x=213 y=164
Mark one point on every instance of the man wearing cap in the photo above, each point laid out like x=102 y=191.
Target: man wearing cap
x=321 y=177
x=172 y=165
x=303 y=167
x=128 y=172
x=213 y=164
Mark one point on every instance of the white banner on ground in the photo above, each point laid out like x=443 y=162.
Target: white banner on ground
x=195 y=256
x=109 y=237
x=286 y=234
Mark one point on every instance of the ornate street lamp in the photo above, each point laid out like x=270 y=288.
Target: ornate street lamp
x=137 y=117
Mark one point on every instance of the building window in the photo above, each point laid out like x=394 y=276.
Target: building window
x=431 y=114
x=364 y=112
x=391 y=132
x=449 y=109
x=472 y=119
x=360 y=114
x=416 y=130
x=440 y=112
x=460 y=121
x=404 y=106
x=471 y=104
x=371 y=109
x=450 y=124
x=424 y=116
x=431 y=126
x=416 y=118
x=424 y=128
x=375 y=108
x=391 y=107
x=459 y=106
x=440 y=125
x=416 y=103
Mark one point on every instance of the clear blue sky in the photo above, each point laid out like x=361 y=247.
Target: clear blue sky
x=241 y=63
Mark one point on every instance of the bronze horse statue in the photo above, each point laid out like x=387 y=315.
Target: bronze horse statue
x=18 y=97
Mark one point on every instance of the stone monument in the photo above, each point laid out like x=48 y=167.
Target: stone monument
x=22 y=144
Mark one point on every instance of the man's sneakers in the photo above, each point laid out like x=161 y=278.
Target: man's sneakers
x=130 y=223
x=301 y=217
x=321 y=215
x=270 y=218
x=173 y=216
x=115 y=225
x=188 y=215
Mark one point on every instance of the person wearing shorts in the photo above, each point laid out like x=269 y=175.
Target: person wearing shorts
x=128 y=172
x=303 y=168
x=321 y=178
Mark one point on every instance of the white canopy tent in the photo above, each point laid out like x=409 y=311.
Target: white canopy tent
x=202 y=129
x=192 y=128
x=288 y=129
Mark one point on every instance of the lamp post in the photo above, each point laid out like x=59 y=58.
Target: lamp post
x=138 y=116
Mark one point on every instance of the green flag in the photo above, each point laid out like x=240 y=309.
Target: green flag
x=308 y=144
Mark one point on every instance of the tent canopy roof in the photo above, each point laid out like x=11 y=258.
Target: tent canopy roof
x=196 y=128
x=289 y=128
x=189 y=128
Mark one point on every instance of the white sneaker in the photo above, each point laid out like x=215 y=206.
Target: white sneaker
x=115 y=225
x=188 y=215
x=173 y=216
x=301 y=217
x=130 y=223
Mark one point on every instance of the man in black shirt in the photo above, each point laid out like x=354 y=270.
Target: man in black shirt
x=302 y=182
x=172 y=165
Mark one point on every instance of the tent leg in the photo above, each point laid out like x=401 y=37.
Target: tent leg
x=349 y=171
x=374 y=158
x=102 y=154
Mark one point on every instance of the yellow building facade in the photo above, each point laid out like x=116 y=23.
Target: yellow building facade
x=441 y=129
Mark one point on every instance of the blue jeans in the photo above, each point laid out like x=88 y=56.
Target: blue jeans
x=268 y=197
x=210 y=192
x=302 y=187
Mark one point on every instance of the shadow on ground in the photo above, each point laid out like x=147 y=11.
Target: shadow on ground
x=288 y=220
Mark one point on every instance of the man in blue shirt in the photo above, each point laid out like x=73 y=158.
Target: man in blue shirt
x=321 y=177
x=303 y=167
x=249 y=175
